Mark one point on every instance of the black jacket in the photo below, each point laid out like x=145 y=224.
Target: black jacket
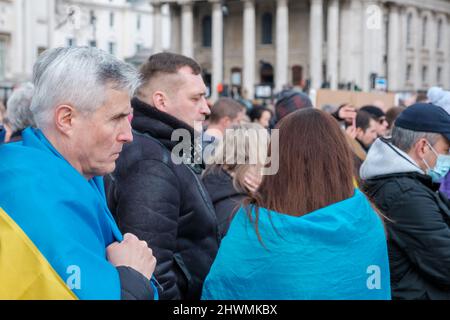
x=164 y=204
x=225 y=197
x=133 y=285
x=418 y=236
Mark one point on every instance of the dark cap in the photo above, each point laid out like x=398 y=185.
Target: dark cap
x=425 y=117
x=290 y=101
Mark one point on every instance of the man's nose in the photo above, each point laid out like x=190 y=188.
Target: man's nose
x=205 y=108
x=126 y=135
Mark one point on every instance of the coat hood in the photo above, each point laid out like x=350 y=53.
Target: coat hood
x=385 y=158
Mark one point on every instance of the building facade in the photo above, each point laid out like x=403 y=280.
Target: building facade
x=29 y=27
x=404 y=44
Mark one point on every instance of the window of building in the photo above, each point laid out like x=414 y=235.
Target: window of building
x=408 y=72
x=93 y=43
x=207 y=32
x=297 y=75
x=266 y=73
x=424 y=31
x=2 y=58
x=111 y=19
x=266 y=28
x=424 y=74
x=409 y=29
x=112 y=48
x=138 y=22
x=138 y=47
x=92 y=17
x=439 y=75
x=439 y=34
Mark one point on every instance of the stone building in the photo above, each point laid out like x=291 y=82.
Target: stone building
x=314 y=43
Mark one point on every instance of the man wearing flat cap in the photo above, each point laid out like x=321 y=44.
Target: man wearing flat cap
x=402 y=176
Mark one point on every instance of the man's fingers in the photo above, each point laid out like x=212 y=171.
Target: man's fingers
x=129 y=236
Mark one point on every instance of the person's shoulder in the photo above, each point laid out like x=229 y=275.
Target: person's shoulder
x=398 y=182
x=17 y=156
x=144 y=147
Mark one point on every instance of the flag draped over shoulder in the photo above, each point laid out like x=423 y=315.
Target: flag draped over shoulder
x=335 y=253
x=24 y=271
x=64 y=216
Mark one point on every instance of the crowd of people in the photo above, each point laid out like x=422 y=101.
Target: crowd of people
x=127 y=184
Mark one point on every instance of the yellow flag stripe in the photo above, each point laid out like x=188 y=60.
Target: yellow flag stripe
x=25 y=273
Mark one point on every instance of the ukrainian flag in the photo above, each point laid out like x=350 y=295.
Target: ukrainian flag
x=24 y=271
x=56 y=229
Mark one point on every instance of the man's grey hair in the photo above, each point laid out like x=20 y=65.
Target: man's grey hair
x=405 y=139
x=18 y=108
x=77 y=76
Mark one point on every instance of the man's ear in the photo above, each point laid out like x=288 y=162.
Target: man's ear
x=160 y=101
x=421 y=148
x=359 y=132
x=64 y=118
x=225 y=122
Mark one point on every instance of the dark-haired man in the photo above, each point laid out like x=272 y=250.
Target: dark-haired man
x=154 y=195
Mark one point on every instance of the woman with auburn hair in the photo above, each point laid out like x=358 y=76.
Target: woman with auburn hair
x=306 y=233
x=227 y=180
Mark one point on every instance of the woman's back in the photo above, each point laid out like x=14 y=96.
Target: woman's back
x=337 y=252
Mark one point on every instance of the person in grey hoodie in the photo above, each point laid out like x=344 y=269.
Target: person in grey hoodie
x=399 y=176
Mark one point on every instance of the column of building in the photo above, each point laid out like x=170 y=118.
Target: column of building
x=282 y=44
x=333 y=47
x=248 y=46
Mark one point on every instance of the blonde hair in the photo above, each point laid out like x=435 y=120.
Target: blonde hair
x=243 y=147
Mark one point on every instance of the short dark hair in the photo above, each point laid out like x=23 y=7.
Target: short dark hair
x=363 y=119
x=166 y=63
x=256 y=112
x=375 y=112
x=225 y=107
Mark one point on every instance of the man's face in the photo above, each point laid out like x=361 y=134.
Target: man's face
x=100 y=136
x=382 y=127
x=368 y=136
x=265 y=119
x=440 y=147
x=187 y=102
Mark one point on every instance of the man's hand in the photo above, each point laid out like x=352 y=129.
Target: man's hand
x=347 y=113
x=133 y=253
x=351 y=130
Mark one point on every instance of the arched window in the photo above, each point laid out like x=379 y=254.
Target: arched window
x=408 y=28
x=424 y=31
x=206 y=31
x=266 y=73
x=266 y=28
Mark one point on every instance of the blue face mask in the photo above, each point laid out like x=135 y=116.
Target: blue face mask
x=441 y=168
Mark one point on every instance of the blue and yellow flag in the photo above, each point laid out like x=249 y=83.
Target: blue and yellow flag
x=64 y=216
x=24 y=271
